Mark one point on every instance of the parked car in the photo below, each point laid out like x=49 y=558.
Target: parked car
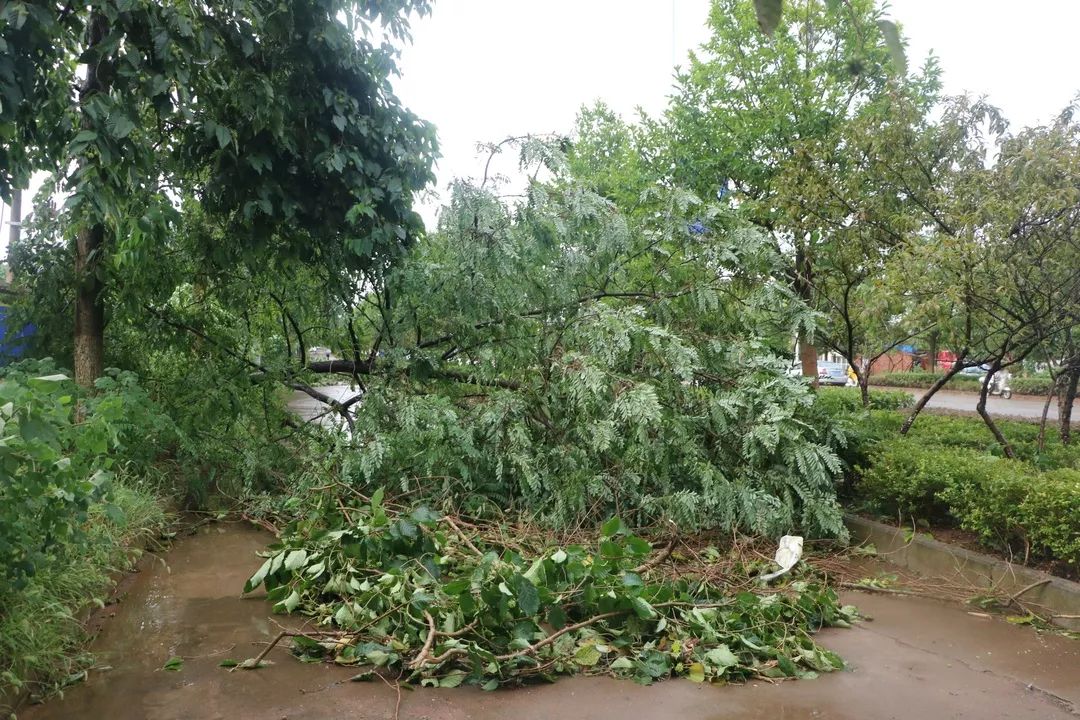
x=832 y=373
x=978 y=370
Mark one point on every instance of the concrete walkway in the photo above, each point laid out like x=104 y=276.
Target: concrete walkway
x=916 y=659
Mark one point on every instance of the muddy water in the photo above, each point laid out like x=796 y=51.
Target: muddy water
x=917 y=659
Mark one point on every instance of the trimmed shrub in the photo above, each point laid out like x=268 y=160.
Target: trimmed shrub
x=1051 y=513
x=1037 y=385
x=1009 y=504
x=840 y=400
x=924 y=380
x=906 y=477
x=988 y=504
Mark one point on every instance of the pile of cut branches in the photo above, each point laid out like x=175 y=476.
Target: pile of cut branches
x=447 y=602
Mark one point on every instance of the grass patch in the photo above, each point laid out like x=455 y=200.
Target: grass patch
x=42 y=636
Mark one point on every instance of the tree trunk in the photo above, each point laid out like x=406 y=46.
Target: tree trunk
x=89 y=246
x=808 y=355
x=981 y=408
x=864 y=387
x=933 y=351
x=808 y=358
x=1045 y=413
x=1066 y=398
x=89 y=310
x=938 y=384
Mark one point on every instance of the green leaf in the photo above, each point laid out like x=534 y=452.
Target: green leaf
x=173 y=664
x=292 y=602
x=34 y=430
x=638 y=546
x=295 y=559
x=587 y=656
x=612 y=527
x=528 y=599
x=257 y=579
x=46 y=382
x=558 y=557
x=721 y=657
x=490 y=685
x=696 y=672
x=120 y=125
x=768 y=14
x=224 y=136
x=644 y=610
x=896 y=47
x=622 y=663
x=228 y=663
x=452 y=680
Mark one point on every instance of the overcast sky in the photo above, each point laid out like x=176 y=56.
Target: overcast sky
x=481 y=70
x=485 y=69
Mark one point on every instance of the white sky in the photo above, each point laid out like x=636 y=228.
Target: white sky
x=485 y=69
x=481 y=70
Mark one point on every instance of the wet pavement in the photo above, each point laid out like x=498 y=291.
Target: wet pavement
x=1018 y=406
x=917 y=659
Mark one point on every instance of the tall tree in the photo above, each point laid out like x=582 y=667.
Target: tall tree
x=277 y=118
x=751 y=106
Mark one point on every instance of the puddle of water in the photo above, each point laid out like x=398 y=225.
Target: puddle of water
x=918 y=658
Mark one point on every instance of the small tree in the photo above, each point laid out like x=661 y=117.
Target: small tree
x=277 y=118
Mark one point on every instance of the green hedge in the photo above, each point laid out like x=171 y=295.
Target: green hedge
x=836 y=400
x=924 y=380
x=1036 y=385
x=1031 y=385
x=1010 y=504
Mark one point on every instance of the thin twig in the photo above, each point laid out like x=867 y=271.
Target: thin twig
x=660 y=557
x=555 y=636
x=449 y=521
x=1032 y=586
x=421 y=658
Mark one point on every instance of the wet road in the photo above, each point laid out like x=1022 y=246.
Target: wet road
x=916 y=659
x=1021 y=406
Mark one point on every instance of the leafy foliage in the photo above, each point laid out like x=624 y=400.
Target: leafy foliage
x=451 y=603
x=55 y=469
x=559 y=360
x=951 y=470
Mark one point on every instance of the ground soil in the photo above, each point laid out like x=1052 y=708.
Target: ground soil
x=917 y=658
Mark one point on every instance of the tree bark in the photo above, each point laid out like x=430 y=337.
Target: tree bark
x=808 y=355
x=864 y=387
x=808 y=359
x=1045 y=413
x=89 y=310
x=89 y=357
x=1066 y=398
x=940 y=383
x=981 y=409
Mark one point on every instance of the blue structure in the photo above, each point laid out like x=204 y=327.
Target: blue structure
x=13 y=346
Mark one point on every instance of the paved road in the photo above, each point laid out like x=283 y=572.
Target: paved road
x=1024 y=406
x=919 y=658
